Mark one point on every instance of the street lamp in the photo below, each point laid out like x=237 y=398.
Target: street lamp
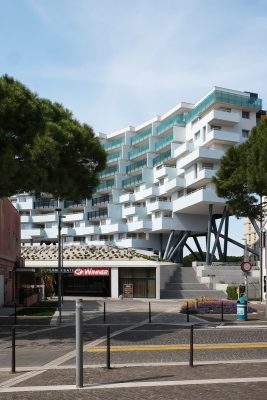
x=59 y=296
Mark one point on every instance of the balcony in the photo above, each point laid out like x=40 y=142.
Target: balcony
x=222 y=136
x=170 y=122
x=136 y=226
x=198 y=154
x=136 y=166
x=219 y=117
x=140 y=137
x=74 y=204
x=197 y=202
x=97 y=214
x=172 y=186
x=108 y=172
x=203 y=177
x=98 y=201
x=162 y=158
x=163 y=170
x=108 y=185
x=164 y=142
x=133 y=181
x=45 y=204
x=139 y=151
x=113 y=144
x=159 y=206
x=113 y=157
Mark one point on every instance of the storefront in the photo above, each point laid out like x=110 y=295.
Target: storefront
x=108 y=278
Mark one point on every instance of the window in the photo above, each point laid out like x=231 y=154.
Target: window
x=207 y=165
x=245 y=114
x=195 y=170
x=22 y=199
x=48 y=225
x=76 y=224
x=197 y=135
x=215 y=127
x=245 y=133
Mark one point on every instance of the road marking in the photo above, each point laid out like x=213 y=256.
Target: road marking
x=180 y=347
x=127 y=385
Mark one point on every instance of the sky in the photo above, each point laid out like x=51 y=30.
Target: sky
x=116 y=63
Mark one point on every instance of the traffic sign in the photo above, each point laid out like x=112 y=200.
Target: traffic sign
x=246 y=266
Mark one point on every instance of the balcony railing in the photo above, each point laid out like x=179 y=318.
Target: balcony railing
x=105 y=185
x=101 y=200
x=97 y=214
x=138 y=152
x=136 y=166
x=113 y=144
x=134 y=180
x=141 y=136
x=70 y=203
x=114 y=157
x=169 y=122
x=108 y=171
x=161 y=158
x=164 y=142
x=45 y=204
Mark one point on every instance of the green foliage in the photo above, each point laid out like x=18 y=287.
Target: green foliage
x=232 y=293
x=43 y=148
x=237 y=259
x=187 y=260
x=242 y=177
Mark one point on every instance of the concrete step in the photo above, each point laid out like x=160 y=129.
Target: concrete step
x=191 y=294
x=185 y=286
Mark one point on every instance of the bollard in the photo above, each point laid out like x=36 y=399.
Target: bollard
x=15 y=313
x=104 y=312
x=222 y=317
x=191 y=345
x=149 y=312
x=187 y=312
x=13 y=356
x=108 y=347
x=79 y=343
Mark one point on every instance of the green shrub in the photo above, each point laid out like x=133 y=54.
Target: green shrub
x=232 y=292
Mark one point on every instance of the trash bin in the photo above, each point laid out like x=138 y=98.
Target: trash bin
x=241 y=309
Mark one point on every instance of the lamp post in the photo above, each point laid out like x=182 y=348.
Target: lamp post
x=62 y=258
x=59 y=266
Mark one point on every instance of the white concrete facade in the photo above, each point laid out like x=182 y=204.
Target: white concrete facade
x=157 y=179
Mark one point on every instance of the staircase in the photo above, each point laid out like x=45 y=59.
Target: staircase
x=184 y=285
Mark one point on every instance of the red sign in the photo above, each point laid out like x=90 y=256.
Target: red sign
x=246 y=266
x=91 y=271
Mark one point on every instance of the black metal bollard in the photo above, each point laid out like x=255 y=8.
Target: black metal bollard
x=187 y=312
x=13 y=356
x=222 y=316
x=108 y=347
x=104 y=315
x=15 y=313
x=191 y=347
x=149 y=312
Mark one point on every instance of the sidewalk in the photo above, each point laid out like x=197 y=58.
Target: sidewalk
x=157 y=382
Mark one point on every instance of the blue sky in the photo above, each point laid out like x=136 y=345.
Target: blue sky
x=116 y=63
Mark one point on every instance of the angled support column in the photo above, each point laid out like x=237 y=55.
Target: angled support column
x=168 y=244
x=217 y=237
x=192 y=252
x=199 y=248
x=215 y=231
x=180 y=243
x=209 y=235
x=226 y=226
x=255 y=226
x=240 y=245
x=175 y=239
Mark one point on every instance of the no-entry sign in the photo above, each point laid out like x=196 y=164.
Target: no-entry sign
x=246 y=266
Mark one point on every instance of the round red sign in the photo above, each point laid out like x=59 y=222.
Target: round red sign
x=246 y=266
